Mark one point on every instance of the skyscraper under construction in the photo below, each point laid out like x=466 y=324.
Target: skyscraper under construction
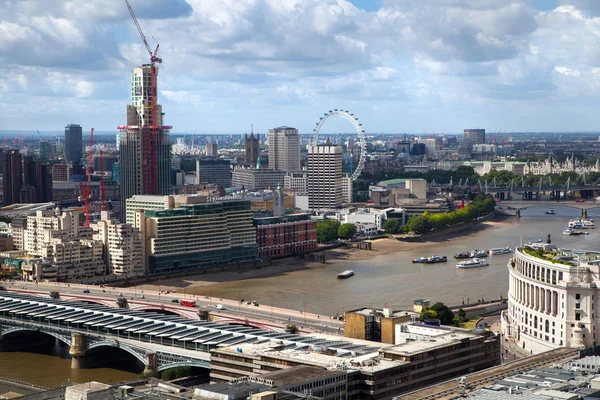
x=144 y=142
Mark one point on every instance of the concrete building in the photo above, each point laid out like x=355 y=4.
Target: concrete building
x=213 y=171
x=145 y=148
x=158 y=203
x=73 y=143
x=325 y=189
x=373 y=216
x=278 y=236
x=377 y=374
x=474 y=136
x=296 y=182
x=56 y=248
x=123 y=246
x=45 y=149
x=266 y=201
x=197 y=235
x=12 y=171
x=375 y=325
x=37 y=178
x=252 y=147
x=256 y=178
x=211 y=150
x=552 y=299
x=347 y=189
x=398 y=192
x=284 y=149
x=61 y=172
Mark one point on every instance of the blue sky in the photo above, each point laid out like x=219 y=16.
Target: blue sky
x=401 y=65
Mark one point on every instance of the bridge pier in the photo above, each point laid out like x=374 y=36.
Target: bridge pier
x=151 y=368
x=77 y=351
x=518 y=213
x=583 y=213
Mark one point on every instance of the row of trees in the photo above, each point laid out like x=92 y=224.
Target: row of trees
x=481 y=205
x=329 y=229
x=444 y=314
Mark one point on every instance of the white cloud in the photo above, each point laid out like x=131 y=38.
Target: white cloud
x=457 y=60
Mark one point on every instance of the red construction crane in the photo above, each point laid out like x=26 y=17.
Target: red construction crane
x=149 y=141
x=102 y=184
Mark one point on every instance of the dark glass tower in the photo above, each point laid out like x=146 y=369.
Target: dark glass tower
x=73 y=144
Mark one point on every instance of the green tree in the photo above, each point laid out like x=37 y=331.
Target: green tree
x=462 y=315
x=327 y=230
x=291 y=329
x=444 y=314
x=419 y=224
x=392 y=226
x=175 y=373
x=346 y=231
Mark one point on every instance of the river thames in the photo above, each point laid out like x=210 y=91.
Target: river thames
x=389 y=279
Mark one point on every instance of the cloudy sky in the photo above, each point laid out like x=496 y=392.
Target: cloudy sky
x=400 y=65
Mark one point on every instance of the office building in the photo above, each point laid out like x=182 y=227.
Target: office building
x=45 y=149
x=12 y=172
x=61 y=172
x=145 y=149
x=418 y=149
x=296 y=182
x=252 y=146
x=552 y=299
x=213 y=171
x=284 y=149
x=123 y=246
x=373 y=370
x=256 y=178
x=37 y=182
x=289 y=234
x=272 y=202
x=211 y=150
x=376 y=325
x=324 y=176
x=474 y=136
x=197 y=235
x=73 y=143
x=347 y=189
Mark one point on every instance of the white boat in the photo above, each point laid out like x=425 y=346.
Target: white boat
x=587 y=224
x=474 y=263
x=568 y=232
x=346 y=274
x=576 y=224
x=478 y=254
x=499 y=250
x=551 y=211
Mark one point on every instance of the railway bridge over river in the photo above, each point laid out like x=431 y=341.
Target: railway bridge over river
x=158 y=341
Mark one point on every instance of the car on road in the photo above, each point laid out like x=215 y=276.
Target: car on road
x=86 y=291
x=141 y=296
x=255 y=304
x=175 y=301
x=579 y=201
x=219 y=307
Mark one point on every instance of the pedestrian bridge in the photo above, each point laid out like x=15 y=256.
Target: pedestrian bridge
x=522 y=204
x=159 y=341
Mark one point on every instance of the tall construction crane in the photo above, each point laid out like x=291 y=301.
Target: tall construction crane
x=149 y=141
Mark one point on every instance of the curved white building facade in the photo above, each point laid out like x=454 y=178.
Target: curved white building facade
x=552 y=304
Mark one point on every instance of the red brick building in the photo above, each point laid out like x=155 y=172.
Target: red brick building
x=277 y=236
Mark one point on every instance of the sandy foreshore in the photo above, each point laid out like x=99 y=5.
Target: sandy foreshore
x=380 y=247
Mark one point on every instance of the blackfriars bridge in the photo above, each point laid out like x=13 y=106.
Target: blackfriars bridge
x=159 y=341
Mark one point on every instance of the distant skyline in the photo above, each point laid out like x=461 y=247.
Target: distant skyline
x=399 y=65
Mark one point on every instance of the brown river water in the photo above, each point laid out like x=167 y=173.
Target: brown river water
x=390 y=280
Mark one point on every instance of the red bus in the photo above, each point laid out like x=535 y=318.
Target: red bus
x=187 y=303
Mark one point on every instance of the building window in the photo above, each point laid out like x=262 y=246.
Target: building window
x=577 y=305
x=577 y=296
x=577 y=316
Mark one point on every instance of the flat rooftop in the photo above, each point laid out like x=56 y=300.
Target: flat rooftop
x=295 y=375
x=417 y=346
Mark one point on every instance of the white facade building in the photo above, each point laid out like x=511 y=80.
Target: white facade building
x=123 y=245
x=296 y=182
x=284 y=149
x=552 y=301
x=324 y=176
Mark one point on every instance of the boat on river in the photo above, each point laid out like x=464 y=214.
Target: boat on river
x=479 y=254
x=346 y=274
x=550 y=212
x=436 y=259
x=462 y=255
x=573 y=232
x=499 y=250
x=474 y=263
x=420 y=260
